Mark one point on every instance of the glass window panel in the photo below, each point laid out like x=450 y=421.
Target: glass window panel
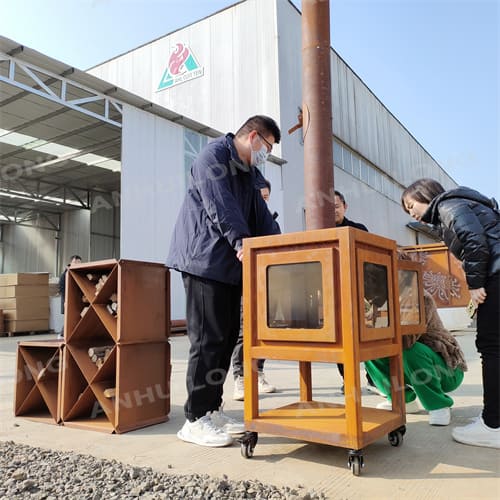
x=364 y=171
x=295 y=296
x=347 y=161
x=337 y=154
x=355 y=166
x=193 y=144
x=386 y=185
x=393 y=194
x=375 y=295
x=375 y=179
x=397 y=192
x=408 y=297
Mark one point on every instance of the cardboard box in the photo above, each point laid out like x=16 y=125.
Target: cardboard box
x=24 y=291
x=28 y=325
x=39 y=312
x=24 y=303
x=24 y=279
x=16 y=308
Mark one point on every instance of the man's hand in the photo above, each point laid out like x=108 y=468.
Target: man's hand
x=239 y=254
x=478 y=296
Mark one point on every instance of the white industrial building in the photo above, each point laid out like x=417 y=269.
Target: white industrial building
x=95 y=162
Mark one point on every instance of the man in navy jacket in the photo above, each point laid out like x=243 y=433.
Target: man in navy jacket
x=220 y=209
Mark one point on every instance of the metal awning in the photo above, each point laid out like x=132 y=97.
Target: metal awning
x=60 y=135
x=60 y=140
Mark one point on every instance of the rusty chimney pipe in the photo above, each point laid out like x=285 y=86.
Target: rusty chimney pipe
x=317 y=115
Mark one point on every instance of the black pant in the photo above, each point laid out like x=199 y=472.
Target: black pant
x=213 y=323
x=488 y=345
x=237 y=357
x=340 y=367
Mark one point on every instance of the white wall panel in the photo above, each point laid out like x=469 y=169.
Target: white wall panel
x=289 y=50
x=153 y=188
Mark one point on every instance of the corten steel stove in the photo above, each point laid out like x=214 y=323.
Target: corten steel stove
x=328 y=295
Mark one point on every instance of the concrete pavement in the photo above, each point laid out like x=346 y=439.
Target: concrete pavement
x=429 y=464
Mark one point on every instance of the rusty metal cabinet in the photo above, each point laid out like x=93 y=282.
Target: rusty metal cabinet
x=129 y=388
x=328 y=295
x=38 y=380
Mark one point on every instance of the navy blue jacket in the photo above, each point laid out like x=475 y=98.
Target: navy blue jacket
x=221 y=207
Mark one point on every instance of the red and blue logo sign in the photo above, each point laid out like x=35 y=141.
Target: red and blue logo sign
x=182 y=66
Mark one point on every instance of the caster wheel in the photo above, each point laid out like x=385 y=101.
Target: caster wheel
x=396 y=437
x=247 y=444
x=246 y=450
x=355 y=462
x=356 y=466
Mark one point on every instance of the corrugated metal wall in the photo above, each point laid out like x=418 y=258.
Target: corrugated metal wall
x=74 y=237
x=105 y=226
x=367 y=126
x=35 y=249
x=251 y=60
x=237 y=51
x=28 y=249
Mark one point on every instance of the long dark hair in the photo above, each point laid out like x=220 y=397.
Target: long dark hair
x=422 y=190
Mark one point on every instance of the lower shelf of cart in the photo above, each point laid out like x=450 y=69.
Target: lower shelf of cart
x=325 y=423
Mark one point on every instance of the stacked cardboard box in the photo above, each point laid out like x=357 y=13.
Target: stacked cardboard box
x=24 y=299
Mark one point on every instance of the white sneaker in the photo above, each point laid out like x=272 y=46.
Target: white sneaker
x=411 y=407
x=226 y=424
x=440 y=417
x=477 y=434
x=239 y=389
x=264 y=385
x=204 y=432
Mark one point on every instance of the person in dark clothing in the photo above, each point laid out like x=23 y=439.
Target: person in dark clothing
x=264 y=186
x=342 y=221
x=470 y=227
x=340 y=209
x=74 y=259
x=220 y=209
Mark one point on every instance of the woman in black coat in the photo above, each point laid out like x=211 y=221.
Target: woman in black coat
x=470 y=227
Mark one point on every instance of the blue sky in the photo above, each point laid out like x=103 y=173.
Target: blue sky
x=433 y=63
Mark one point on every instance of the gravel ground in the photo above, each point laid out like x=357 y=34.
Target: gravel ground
x=35 y=473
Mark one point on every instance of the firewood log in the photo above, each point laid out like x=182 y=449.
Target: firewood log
x=99 y=350
x=110 y=393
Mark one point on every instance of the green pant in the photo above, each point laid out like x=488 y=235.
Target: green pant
x=426 y=377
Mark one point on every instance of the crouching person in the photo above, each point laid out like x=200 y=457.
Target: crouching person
x=433 y=365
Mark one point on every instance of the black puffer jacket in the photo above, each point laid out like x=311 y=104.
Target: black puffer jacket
x=470 y=224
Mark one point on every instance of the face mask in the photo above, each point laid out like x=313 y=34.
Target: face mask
x=259 y=157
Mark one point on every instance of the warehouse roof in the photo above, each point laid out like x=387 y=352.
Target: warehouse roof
x=60 y=134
